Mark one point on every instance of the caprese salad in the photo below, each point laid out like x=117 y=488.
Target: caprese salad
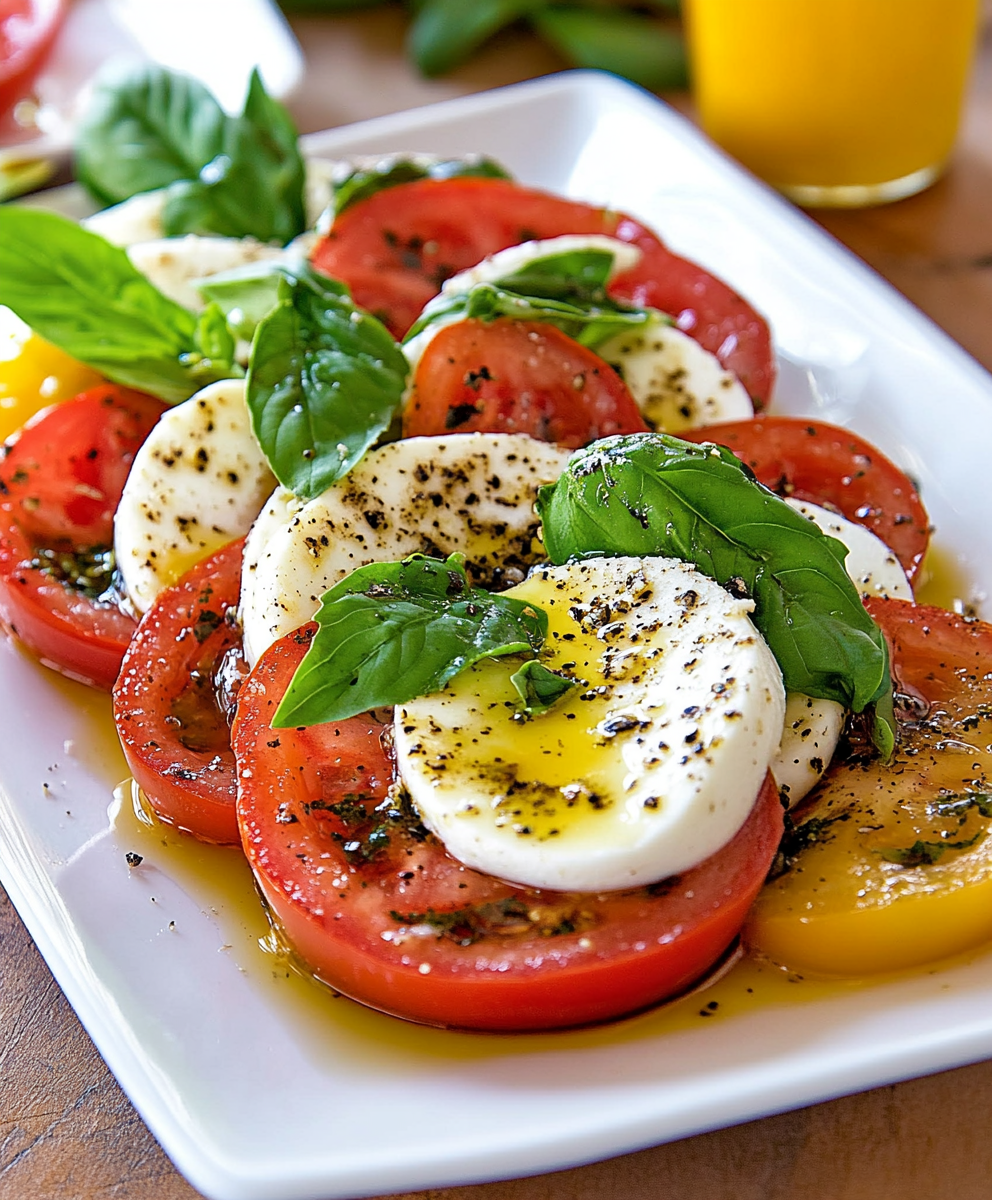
x=445 y=557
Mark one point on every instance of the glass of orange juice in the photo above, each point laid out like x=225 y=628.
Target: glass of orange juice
x=836 y=103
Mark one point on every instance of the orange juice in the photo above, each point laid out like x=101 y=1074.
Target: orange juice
x=833 y=101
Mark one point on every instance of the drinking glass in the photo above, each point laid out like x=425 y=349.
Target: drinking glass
x=836 y=103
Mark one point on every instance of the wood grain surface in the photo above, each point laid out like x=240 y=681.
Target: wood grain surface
x=67 y=1132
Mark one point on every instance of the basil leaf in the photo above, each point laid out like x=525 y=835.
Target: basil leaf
x=84 y=295
x=143 y=129
x=324 y=381
x=392 y=631
x=363 y=182
x=445 y=32
x=253 y=186
x=248 y=293
x=610 y=39
x=151 y=128
x=650 y=494
x=565 y=290
x=540 y=688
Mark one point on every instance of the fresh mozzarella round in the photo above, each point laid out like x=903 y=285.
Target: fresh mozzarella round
x=469 y=493
x=175 y=265
x=810 y=735
x=509 y=262
x=275 y=513
x=197 y=482
x=138 y=219
x=643 y=771
x=675 y=382
x=505 y=263
x=870 y=563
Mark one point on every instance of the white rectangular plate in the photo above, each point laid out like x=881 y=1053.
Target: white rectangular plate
x=258 y=1086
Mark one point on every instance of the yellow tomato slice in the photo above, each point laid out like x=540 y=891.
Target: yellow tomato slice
x=890 y=865
x=34 y=374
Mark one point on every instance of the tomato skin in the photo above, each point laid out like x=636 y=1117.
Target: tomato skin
x=61 y=479
x=27 y=30
x=827 y=465
x=395 y=249
x=590 y=958
x=507 y=376
x=172 y=724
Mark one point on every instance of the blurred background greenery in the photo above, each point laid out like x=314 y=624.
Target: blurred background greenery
x=642 y=41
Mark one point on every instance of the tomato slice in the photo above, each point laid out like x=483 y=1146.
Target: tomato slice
x=61 y=479
x=27 y=30
x=508 y=376
x=377 y=908
x=832 y=467
x=892 y=863
x=174 y=699
x=396 y=248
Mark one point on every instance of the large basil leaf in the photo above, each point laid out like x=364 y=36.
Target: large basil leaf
x=567 y=290
x=324 y=381
x=233 y=176
x=653 y=494
x=362 y=182
x=84 y=295
x=393 y=631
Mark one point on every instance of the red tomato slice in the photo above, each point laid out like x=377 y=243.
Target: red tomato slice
x=508 y=376
x=377 y=908
x=174 y=698
x=833 y=467
x=395 y=249
x=27 y=30
x=61 y=479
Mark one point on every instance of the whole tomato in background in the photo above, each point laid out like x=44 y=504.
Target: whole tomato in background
x=27 y=30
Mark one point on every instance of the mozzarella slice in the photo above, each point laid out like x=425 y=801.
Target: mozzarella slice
x=505 y=263
x=472 y=493
x=675 y=382
x=197 y=482
x=175 y=265
x=508 y=262
x=644 y=771
x=813 y=726
x=810 y=735
x=870 y=563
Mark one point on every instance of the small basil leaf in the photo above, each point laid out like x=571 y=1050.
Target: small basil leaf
x=445 y=32
x=84 y=295
x=540 y=688
x=214 y=338
x=650 y=494
x=565 y=290
x=253 y=186
x=392 y=631
x=324 y=381
x=366 y=181
x=233 y=176
x=610 y=39
x=143 y=129
x=246 y=294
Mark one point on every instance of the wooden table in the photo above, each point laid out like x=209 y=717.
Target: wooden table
x=67 y=1130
